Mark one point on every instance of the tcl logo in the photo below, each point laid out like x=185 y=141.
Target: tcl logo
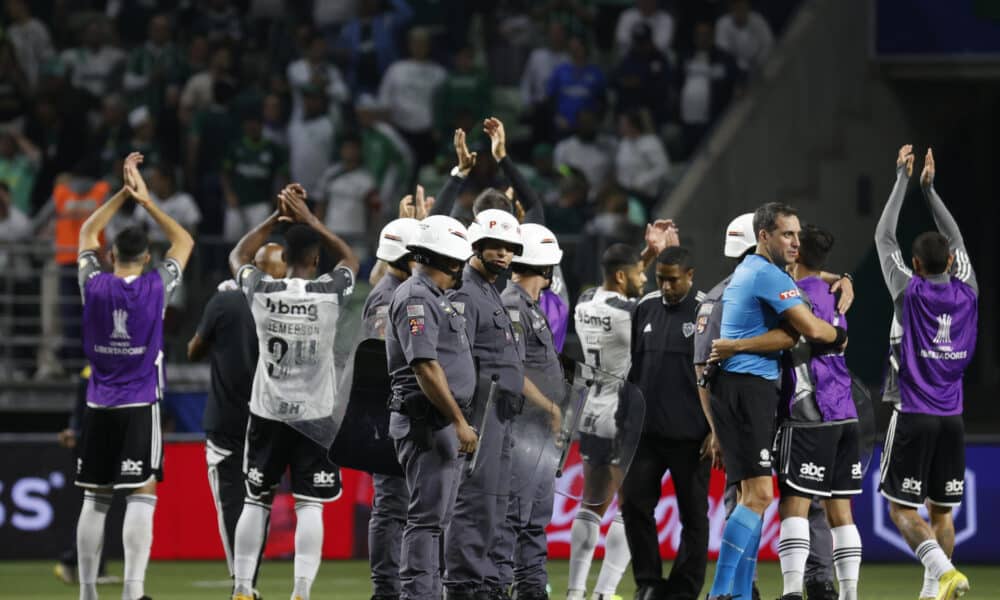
x=912 y=485
x=955 y=487
x=812 y=471
x=31 y=510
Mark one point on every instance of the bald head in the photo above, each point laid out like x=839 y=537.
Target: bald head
x=270 y=260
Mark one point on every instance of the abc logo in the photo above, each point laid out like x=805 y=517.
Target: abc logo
x=954 y=487
x=324 y=479
x=856 y=472
x=812 y=471
x=131 y=467
x=912 y=485
x=255 y=476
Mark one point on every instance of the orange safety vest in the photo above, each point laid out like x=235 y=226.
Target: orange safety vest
x=68 y=224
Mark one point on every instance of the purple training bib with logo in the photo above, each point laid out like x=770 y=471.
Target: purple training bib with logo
x=123 y=338
x=939 y=338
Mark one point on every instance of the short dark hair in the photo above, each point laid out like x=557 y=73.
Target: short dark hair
x=301 y=245
x=618 y=257
x=766 y=216
x=130 y=244
x=491 y=198
x=675 y=255
x=814 y=246
x=933 y=251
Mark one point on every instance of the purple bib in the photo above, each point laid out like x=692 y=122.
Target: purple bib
x=123 y=338
x=939 y=337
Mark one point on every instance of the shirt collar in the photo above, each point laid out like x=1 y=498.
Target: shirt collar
x=531 y=302
x=427 y=281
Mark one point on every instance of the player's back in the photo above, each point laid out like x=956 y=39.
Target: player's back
x=603 y=323
x=123 y=336
x=296 y=322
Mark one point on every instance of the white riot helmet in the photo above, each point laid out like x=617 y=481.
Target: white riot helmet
x=394 y=238
x=541 y=249
x=496 y=224
x=443 y=236
x=740 y=236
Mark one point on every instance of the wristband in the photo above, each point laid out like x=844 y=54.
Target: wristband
x=847 y=276
x=457 y=172
x=841 y=337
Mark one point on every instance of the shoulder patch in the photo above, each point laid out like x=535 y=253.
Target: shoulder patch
x=414 y=310
x=459 y=307
x=700 y=296
x=789 y=294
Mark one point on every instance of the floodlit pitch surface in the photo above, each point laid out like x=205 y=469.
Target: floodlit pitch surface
x=348 y=580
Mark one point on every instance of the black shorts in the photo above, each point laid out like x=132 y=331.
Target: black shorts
x=597 y=450
x=120 y=447
x=819 y=461
x=743 y=411
x=273 y=446
x=924 y=458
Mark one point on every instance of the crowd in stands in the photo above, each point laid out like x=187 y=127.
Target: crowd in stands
x=357 y=100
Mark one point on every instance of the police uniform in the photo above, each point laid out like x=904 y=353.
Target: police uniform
x=388 y=516
x=472 y=550
x=424 y=325
x=524 y=544
x=673 y=432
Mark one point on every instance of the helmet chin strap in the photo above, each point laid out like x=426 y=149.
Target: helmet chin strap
x=490 y=267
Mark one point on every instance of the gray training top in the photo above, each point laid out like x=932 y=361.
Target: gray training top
x=708 y=323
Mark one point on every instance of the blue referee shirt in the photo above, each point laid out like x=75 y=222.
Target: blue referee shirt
x=752 y=305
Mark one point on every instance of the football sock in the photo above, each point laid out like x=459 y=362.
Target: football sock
x=251 y=530
x=308 y=545
x=747 y=567
x=930 y=589
x=847 y=559
x=736 y=537
x=793 y=551
x=934 y=558
x=137 y=539
x=583 y=539
x=616 y=558
x=90 y=539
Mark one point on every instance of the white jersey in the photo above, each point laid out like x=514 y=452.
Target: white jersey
x=296 y=322
x=604 y=325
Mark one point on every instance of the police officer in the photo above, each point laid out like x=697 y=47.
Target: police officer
x=524 y=543
x=740 y=242
x=227 y=335
x=433 y=380
x=674 y=433
x=472 y=538
x=388 y=516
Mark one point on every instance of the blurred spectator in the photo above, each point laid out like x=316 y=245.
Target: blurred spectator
x=315 y=69
x=542 y=175
x=641 y=163
x=15 y=226
x=178 y=204
x=143 y=126
x=96 y=66
x=109 y=137
x=62 y=138
x=30 y=38
x=612 y=219
x=310 y=140
x=567 y=214
x=644 y=78
x=347 y=196
x=744 y=34
x=385 y=153
x=467 y=90
x=446 y=23
x=577 y=16
x=252 y=172
x=332 y=15
x=368 y=43
x=659 y=22
x=219 y=21
x=155 y=68
x=15 y=91
x=197 y=94
x=587 y=151
x=407 y=92
x=212 y=133
x=196 y=57
x=19 y=164
x=576 y=86
x=708 y=79
x=534 y=81
x=273 y=113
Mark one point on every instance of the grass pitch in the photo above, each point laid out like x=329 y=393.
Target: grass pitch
x=348 y=580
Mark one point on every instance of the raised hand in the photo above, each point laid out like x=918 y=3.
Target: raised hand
x=662 y=234
x=927 y=176
x=292 y=200
x=498 y=137
x=845 y=286
x=134 y=182
x=905 y=157
x=466 y=159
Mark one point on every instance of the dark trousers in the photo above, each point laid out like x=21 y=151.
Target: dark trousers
x=640 y=494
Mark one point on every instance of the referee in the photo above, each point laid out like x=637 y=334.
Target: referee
x=760 y=295
x=674 y=434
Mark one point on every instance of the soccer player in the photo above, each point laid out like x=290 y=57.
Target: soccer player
x=759 y=296
x=295 y=317
x=817 y=443
x=931 y=342
x=603 y=319
x=388 y=516
x=121 y=447
x=227 y=335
